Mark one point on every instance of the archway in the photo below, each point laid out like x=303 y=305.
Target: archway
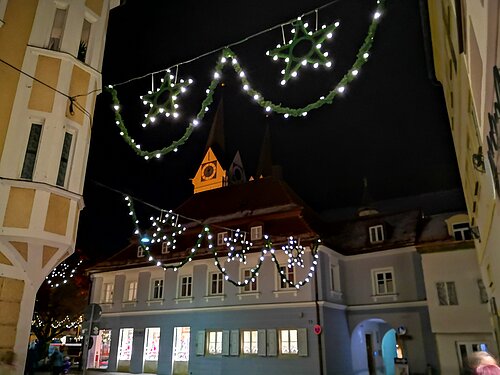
x=373 y=348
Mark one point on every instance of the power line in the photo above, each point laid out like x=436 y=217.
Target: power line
x=227 y=46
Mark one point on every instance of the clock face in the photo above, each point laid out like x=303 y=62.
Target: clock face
x=208 y=171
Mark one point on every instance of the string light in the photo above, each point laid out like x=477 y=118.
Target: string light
x=229 y=57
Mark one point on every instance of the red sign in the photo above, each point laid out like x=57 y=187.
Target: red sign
x=317 y=329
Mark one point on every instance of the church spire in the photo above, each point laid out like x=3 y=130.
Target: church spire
x=366 y=201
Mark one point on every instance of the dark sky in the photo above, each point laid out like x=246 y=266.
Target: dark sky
x=390 y=126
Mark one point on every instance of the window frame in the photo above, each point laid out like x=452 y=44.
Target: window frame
x=288 y=341
x=450 y=297
x=252 y=286
x=188 y=285
x=69 y=158
x=254 y=342
x=219 y=283
x=464 y=230
x=30 y=152
x=217 y=334
x=108 y=292
x=256 y=233
x=52 y=45
x=376 y=234
x=165 y=248
x=289 y=271
x=220 y=238
x=140 y=252
x=157 y=291
x=375 y=281
x=132 y=298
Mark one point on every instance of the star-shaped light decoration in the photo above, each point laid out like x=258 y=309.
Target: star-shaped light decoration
x=163 y=100
x=303 y=49
x=295 y=251
x=237 y=247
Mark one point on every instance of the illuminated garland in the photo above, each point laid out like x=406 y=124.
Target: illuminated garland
x=206 y=237
x=61 y=274
x=228 y=56
x=66 y=322
x=237 y=246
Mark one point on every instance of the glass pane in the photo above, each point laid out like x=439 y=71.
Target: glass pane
x=125 y=344
x=390 y=286
x=31 y=151
x=443 y=300
x=452 y=294
x=152 y=346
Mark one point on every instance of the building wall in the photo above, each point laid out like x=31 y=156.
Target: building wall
x=38 y=217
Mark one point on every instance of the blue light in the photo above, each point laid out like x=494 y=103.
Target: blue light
x=145 y=240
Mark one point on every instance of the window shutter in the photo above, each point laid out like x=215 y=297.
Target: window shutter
x=225 y=342
x=200 y=343
x=261 y=338
x=234 y=347
x=302 y=341
x=272 y=348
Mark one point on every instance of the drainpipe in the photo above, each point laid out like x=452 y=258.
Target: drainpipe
x=318 y=321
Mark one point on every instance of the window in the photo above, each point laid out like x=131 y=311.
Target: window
x=286 y=273
x=335 y=278
x=216 y=283
x=125 y=344
x=220 y=238
x=157 y=289
x=186 y=286
x=131 y=294
x=252 y=285
x=461 y=231
x=447 y=293
x=140 y=252
x=483 y=296
x=214 y=342
x=57 y=29
x=164 y=248
x=108 y=293
x=152 y=344
x=31 y=151
x=376 y=234
x=249 y=342
x=256 y=233
x=289 y=341
x=383 y=281
x=63 y=163
x=84 y=40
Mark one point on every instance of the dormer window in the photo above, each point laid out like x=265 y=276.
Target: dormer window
x=461 y=231
x=164 y=247
x=140 y=252
x=220 y=238
x=256 y=233
x=376 y=234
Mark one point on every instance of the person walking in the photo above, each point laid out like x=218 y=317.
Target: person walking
x=57 y=361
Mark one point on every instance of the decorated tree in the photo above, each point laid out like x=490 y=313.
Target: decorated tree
x=60 y=301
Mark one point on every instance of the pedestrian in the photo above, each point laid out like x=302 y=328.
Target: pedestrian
x=57 y=361
x=478 y=359
x=7 y=366
x=31 y=358
x=487 y=370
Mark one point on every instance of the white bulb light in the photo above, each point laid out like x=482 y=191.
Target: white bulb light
x=376 y=15
x=355 y=72
x=341 y=89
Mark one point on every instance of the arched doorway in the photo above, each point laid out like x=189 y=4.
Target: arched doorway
x=373 y=348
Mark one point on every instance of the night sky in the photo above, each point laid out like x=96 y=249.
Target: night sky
x=390 y=125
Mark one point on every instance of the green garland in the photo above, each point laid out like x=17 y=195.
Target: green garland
x=228 y=54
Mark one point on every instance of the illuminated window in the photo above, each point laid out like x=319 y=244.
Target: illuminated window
x=164 y=248
x=216 y=283
x=140 y=252
x=107 y=293
x=131 y=293
x=249 y=342
x=214 y=342
x=289 y=341
x=152 y=344
x=31 y=151
x=57 y=29
x=125 y=344
x=186 y=286
x=286 y=273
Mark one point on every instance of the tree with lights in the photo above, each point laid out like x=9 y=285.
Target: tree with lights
x=60 y=302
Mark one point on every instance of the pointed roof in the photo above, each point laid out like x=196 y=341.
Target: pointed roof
x=366 y=201
x=216 y=139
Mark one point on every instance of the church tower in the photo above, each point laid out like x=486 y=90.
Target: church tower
x=50 y=61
